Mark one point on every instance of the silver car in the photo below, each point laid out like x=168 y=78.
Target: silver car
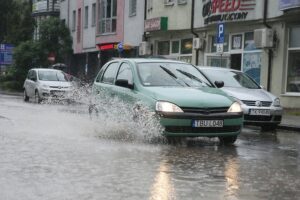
x=43 y=84
x=260 y=107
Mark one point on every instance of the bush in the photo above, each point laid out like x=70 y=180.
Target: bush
x=11 y=86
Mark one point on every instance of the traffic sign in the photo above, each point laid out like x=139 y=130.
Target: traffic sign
x=220 y=48
x=120 y=46
x=220 y=33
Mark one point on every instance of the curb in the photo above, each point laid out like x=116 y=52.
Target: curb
x=11 y=93
x=288 y=127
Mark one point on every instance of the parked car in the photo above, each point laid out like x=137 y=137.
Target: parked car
x=260 y=107
x=43 y=83
x=185 y=102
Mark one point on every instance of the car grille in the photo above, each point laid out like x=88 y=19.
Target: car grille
x=252 y=103
x=257 y=118
x=188 y=129
x=205 y=110
x=58 y=87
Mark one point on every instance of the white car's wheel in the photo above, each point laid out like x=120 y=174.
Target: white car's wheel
x=26 y=97
x=37 y=97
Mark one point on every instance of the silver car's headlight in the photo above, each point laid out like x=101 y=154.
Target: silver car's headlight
x=235 y=108
x=44 y=86
x=162 y=106
x=276 y=102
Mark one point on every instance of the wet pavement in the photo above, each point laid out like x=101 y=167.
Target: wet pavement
x=53 y=152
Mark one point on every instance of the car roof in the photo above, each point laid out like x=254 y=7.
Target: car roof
x=46 y=69
x=217 y=68
x=149 y=60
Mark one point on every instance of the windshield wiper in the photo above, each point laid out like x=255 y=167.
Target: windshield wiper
x=191 y=76
x=173 y=75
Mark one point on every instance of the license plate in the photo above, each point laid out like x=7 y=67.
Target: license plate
x=260 y=112
x=208 y=123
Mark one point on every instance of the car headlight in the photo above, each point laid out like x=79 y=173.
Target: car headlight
x=235 y=108
x=162 y=106
x=44 y=86
x=276 y=102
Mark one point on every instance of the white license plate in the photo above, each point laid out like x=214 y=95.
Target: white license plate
x=208 y=123
x=260 y=112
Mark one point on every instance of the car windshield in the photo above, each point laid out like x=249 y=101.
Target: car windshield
x=171 y=74
x=52 y=76
x=231 y=78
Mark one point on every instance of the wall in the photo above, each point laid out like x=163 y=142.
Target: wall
x=134 y=25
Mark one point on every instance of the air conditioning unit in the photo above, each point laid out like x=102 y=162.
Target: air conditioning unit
x=198 y=43
x=144 y=48
x=263 y=38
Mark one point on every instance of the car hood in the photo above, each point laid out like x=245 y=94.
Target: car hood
x=56 y=83
x=191 y=97
x=249 y=94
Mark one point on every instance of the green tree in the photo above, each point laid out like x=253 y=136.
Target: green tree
x=55 y=38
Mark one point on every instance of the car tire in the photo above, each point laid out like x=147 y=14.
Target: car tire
x=227 y=140
x=26 y=97
x=37 y=97
x=270 y=127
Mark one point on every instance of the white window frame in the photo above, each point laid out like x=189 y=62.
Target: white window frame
x=93 y=14
x=86 y=17
x=107 y=19
x=132 y=8
x=297 y=94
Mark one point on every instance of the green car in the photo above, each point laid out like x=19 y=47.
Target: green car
x=185 y=102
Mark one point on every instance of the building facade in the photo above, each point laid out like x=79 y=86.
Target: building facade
x=41 y=9
x=275 y=65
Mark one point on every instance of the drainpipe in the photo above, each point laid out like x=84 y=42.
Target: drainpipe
x=145 y=17
x=270 y=52
x=192 y=29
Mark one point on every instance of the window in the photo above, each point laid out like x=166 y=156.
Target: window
x=94 y=14
x=236 y=42
x=293 y=73
x=125 y=73
x=110 y=73
x=213 y=47
x=249 y=44
x=168 y=2
x=163 y=48
x=79 y=26
x=74 y=21
x=132 y=7
x=86 y=17
x=186 y=46
x=181 y=2
x=149 y=5
x=175 y=47
x=107 y=16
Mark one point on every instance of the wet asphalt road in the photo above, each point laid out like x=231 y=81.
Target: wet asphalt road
x=54 y=152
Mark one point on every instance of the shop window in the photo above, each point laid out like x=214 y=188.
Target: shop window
x=249 y=44
x=236 y=42
x=213 y=47
x=175 y=47
x=107 y=16
x=293 y=71
x=252 y=65
x=163 y=48
x=218 y=61
x=186 y=46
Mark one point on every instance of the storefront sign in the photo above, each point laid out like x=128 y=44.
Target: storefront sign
x=288 y=4
x=156 y=24
x=226 y=10
x=6 y=54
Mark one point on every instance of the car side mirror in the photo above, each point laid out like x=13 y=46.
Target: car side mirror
x=33 y=79
x=124 y=83
x=219 y=84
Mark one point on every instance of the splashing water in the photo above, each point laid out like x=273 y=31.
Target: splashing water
x=113 y=118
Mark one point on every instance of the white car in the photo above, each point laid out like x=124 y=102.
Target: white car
x=42 y=84
x=261 y=108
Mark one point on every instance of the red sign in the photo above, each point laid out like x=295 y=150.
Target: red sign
x=51 y=57
x=105 y=46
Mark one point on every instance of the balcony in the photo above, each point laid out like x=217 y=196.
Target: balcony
x=45 y=8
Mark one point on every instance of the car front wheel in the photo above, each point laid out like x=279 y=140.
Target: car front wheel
x=26 y=97
x=37 y=97
x=227 y=140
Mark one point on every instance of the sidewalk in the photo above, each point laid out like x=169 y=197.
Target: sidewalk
x=290 y=122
